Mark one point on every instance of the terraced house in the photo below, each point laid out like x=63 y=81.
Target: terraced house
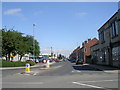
x=109 y=42
x=106 y=50
x=74 y=55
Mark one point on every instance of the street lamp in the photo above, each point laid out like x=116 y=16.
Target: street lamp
x=33 y=42
x=51 y=52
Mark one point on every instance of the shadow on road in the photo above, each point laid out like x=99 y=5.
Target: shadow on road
x=84 y=68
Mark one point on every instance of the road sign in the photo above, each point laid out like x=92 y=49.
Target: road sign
x=27 y=70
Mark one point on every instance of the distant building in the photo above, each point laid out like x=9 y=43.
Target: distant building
x=81 y=54
x=74 y=54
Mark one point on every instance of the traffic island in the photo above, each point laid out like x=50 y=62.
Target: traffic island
x=45 y=68
x=26 y=73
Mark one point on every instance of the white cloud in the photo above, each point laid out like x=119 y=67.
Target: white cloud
x=15 y=12
x=12 y=11
x=81 y=14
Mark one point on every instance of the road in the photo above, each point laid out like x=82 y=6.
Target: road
x=61 y=75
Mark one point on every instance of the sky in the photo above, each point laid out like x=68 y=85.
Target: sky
x=60 y=25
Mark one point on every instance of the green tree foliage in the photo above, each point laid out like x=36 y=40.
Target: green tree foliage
x=14 y=42
x=61 y=56
x=0 y=43
x=37 y=48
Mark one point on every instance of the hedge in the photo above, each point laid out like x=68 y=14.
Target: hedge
x=15 y=64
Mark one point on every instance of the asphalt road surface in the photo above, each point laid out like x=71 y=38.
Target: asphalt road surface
x=60 y=75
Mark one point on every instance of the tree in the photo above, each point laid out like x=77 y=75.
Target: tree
x=22 y=47
x=14 y=42
x=9 y=39
x=30 y=49
x=37 y=48
x=60 y=56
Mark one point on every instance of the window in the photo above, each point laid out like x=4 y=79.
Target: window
x=116 y=26
x=103 y=55
x=114 y=29
x=102 y=36
x=115 y=53
x=100 y=55
x=85 y=50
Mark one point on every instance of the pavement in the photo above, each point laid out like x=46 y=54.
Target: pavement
x=105 y=68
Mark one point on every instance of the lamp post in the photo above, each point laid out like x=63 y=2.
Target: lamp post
x=33 y=42
x=51 y=53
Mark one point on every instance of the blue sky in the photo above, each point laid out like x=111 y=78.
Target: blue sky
x=62 y=25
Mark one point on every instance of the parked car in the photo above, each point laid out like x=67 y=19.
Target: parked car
x=44 y=61
x=57 y=60
x=36 y=61
x=51 y=60
x=30 y=60
x=40 y=60
x=79 y=62
x=72 y=60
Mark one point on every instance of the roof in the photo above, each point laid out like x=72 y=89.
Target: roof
x=107 y=21
x=95 y=44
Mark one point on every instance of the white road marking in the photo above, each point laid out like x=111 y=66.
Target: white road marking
x=100 y=80
x=86 y=85
x=73 y=71
x=58 y=66
x=22 y=82
x=35 y=74
x=76 y=71
x=94 y=85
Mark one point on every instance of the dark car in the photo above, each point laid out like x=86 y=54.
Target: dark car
x=50 y=60
x=72 y=60
x=40 y=60
x=79 y=62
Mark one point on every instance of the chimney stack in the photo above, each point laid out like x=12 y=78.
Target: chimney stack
x=85 y=42
x=89 y=39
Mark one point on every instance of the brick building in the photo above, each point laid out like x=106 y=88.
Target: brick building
x=86 y=46
x=84 y=52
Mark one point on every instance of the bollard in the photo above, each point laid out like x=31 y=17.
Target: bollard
x=48 y=64
x=27 y=68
